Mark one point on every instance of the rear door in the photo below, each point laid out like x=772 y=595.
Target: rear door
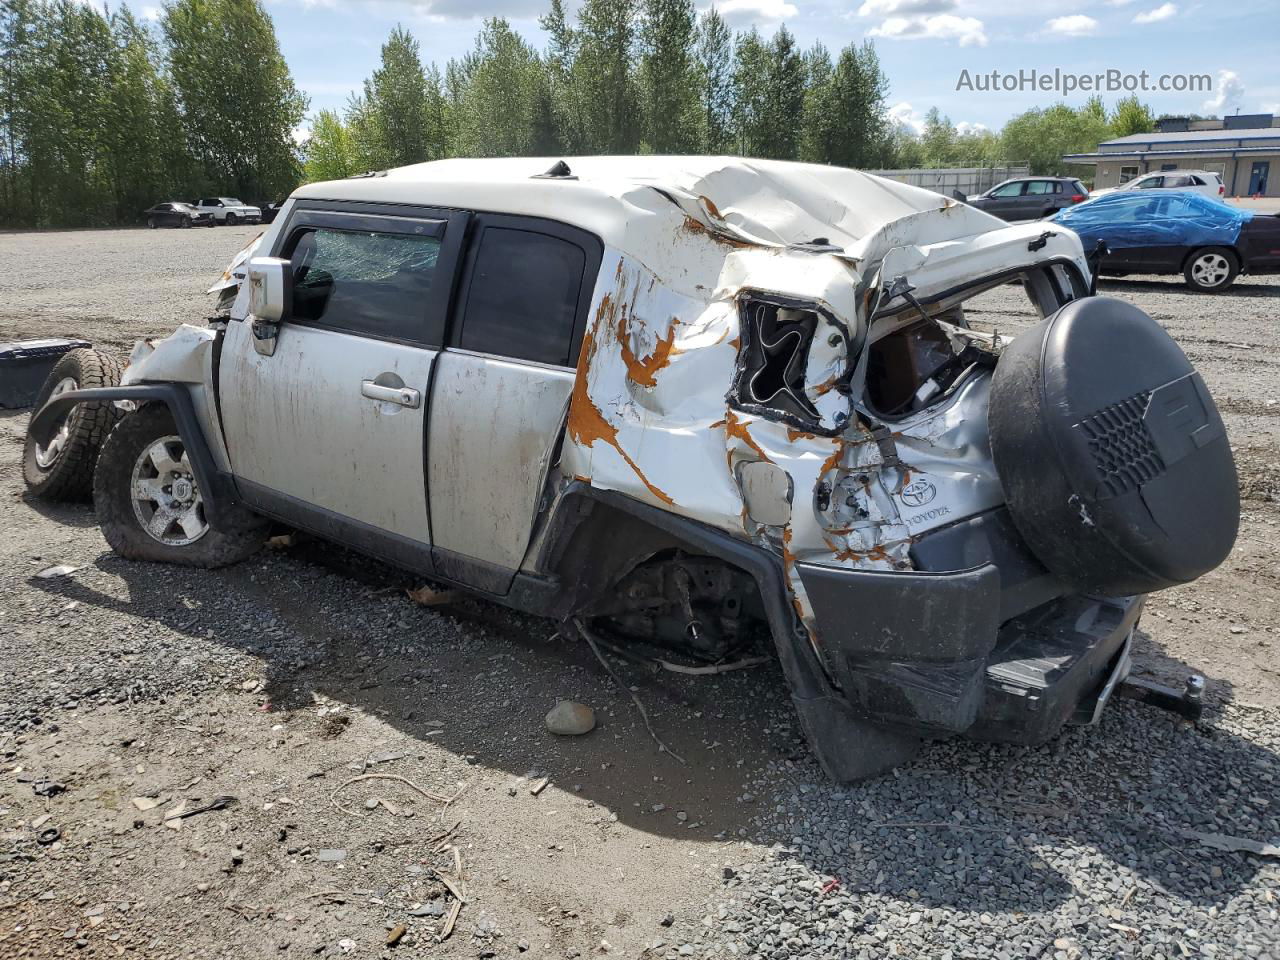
x=1004 y=200
x=329 y=432
x=502 y=389
x=1037 y=199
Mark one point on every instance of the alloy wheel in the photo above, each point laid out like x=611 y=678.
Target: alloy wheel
x=165 y=497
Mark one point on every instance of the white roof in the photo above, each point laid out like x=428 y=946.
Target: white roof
x=632 y=202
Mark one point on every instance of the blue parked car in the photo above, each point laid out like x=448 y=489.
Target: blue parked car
x=1207 y=241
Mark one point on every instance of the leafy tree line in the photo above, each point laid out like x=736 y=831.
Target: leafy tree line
x=626 y=76
x=102 y=116
x=1038 y=137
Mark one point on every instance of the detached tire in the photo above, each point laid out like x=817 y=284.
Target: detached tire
x=1211 y=268
x=63 y=470
x=150 y=506
x=1112 y=455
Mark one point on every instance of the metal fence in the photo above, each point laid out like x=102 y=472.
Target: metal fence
x=968 y=180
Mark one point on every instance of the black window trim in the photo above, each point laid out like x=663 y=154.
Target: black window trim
x=385 y=218
x=589 y=243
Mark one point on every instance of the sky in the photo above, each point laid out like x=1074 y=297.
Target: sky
x=925 y=46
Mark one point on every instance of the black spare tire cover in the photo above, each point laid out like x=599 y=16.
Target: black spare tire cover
x=1113 y=458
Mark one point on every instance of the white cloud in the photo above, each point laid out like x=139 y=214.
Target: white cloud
x=301 y=134
x=1230 y=94
x=752 y=11
x=1162 y=12
x=151 y=13
x=1074 y=25
x=888 y=8
x=906 y=115
x=967 y=31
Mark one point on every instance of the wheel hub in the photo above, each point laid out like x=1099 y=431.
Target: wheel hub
x=166 y=499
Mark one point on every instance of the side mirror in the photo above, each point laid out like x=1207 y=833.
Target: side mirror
x=270 y=283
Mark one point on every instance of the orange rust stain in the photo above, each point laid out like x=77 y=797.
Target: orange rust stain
x=733 y=427
x=587 y=424
x=736 y=343
x=692 y=225
x=825 y=387
x=794 y=435
x=644 y=371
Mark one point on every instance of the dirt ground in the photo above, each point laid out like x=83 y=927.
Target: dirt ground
x=131 y=692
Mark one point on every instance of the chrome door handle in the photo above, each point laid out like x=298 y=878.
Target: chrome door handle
x=405 y=396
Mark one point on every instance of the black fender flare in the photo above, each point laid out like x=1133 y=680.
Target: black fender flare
x=218 y=490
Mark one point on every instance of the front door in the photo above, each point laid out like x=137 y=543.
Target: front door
x=329 y=431
x=1258 y=177
x=502 y=389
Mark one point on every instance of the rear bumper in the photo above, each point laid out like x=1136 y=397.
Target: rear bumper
x=927 y=654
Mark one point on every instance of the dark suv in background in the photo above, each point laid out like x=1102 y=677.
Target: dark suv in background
x=1029 y=198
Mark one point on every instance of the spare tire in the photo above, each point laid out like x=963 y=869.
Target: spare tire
x=1112 y=455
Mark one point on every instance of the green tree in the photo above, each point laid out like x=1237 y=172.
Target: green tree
x=563 y=125
x=143 y=149
x=750 y=92
x=1041 y=136
x=391 y=123
x=602 y=83
x=668 y=77
x=1131 y=116
x=845 y=121
x=500 y=111
x=330 y=152
x=714 y=53
x=238 y=101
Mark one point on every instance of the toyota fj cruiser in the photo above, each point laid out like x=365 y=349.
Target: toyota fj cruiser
x=701 y=402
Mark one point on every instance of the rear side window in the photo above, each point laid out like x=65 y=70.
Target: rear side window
x=523 y=297
x=1041 y=186
x=374 y=284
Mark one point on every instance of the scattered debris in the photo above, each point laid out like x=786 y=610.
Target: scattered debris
x=644 y=714
x=217 y=803
x=451 y=920
x=570 y=719
x=1222 y=841
x=48 y=836
x=713 y=668
x=397 y=934
x=60 y=570
x=333 y=797
x=539 y=785
x=429 y=596
x=146 y=803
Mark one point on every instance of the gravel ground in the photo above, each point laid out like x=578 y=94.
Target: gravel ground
x=126 y=689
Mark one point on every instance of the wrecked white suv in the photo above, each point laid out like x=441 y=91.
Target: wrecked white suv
x=708 y=403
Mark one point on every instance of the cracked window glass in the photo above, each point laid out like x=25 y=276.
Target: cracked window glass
x=375 y=284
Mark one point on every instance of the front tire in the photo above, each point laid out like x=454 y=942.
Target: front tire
x=151 y=223
x=1210 y=269
x=63 y=469
x=186 y=222
x=150 y=506
x=232 y=219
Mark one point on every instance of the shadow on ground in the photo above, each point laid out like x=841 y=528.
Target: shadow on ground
x=1125 y=789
